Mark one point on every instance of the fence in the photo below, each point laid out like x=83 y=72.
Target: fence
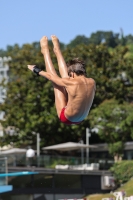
x=3 y=169
x=50 y=161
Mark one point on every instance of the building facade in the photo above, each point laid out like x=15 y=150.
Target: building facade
x=4 y=75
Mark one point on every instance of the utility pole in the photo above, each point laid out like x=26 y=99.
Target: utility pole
x=87 y=143
x=38 y=144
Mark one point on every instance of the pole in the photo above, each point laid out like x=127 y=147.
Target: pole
x=6 y=169
x=82 y=152
x=38 y=144
x=87 y=143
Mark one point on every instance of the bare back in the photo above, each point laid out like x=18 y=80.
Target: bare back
x=81 y=92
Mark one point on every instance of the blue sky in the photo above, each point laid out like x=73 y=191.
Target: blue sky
x=26 y=21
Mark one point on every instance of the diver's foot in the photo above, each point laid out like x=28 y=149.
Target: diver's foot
x=55 y=43
x=44 y=44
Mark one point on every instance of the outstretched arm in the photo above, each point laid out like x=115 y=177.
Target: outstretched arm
x=55 y=79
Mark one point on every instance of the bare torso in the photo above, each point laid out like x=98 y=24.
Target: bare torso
x=80 y=97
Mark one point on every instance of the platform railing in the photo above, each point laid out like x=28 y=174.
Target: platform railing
x=3 y=169
x=50 y=161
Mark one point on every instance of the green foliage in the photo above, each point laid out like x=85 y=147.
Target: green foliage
x=116 y=148
x=29 y=105
x=130 y=52
x=80 y=39
x=129 y=39
x=112 y=115
x=114 y=122
x=106 y=68
x=122 y=171
x=2 y=53
x=108 y=37
x=60 y=162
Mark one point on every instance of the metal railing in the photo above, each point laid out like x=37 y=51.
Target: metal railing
x=3 y=169
x=50 y=161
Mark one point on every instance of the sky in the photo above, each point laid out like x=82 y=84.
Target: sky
x=26 y=21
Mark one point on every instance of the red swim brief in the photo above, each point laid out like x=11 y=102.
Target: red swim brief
x=65 y=120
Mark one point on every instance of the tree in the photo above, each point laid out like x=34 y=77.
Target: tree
x=129 y=39
x=111 y=39
x=2 y=53
x=107 y=68
x=107 y=37
x=122 y=171
x=114 y=122
x=29 y=106
x=80 y=39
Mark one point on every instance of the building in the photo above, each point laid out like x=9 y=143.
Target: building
x=102 y=151
x=4 y=74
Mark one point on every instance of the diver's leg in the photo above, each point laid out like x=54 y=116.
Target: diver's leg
x=59 y=91
x=46 y=54
x=61 y=62
x=61 y=98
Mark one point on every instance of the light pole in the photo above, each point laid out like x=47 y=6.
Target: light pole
x=87 y=143
x=82 y=151
x=38 y=149
x=38 y=144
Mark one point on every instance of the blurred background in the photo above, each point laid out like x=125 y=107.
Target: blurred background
x=41 y=158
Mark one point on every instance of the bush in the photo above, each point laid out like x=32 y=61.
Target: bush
x=122 y=171
x=58 y=162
